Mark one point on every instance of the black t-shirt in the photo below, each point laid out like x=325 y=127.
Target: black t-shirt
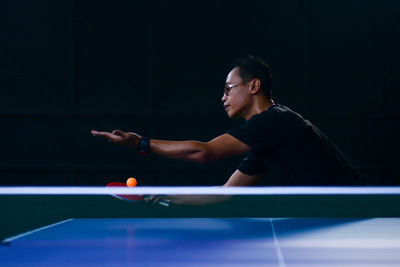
x=291 y=151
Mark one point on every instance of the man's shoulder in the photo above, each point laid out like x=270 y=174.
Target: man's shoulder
x=276 y=111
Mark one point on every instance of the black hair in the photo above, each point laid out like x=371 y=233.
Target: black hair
x=252 y=67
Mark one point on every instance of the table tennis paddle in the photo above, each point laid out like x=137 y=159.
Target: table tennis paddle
x=125 y=197
x=133 y=198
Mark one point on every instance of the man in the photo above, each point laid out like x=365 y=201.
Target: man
x=276 y=139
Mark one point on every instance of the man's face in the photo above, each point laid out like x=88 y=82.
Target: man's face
x=236 y=96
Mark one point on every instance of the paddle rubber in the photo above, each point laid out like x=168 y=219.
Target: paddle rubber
x=125 y=197
x=133 y=198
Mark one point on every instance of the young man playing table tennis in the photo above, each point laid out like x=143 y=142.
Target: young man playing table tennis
x=274 y=138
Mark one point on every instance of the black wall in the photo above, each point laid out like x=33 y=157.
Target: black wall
x=158 y=68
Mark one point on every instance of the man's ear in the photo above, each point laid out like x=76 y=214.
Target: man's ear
x=255 y=86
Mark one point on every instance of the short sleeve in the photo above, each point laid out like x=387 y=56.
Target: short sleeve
x=252 y=165
x=260 y=132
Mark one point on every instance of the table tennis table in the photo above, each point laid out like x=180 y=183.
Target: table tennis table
x=208 y=242
x=271 y=226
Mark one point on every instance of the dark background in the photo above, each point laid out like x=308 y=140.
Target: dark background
x=158 y=68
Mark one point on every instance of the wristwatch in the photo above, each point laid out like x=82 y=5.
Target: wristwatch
x=144 y=146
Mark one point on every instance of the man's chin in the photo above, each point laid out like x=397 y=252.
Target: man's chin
x=231 y=115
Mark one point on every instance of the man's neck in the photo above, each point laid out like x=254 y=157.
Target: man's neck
x=260 y=106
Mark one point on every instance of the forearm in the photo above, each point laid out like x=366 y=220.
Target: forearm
x=197 y=200
x=184 y=150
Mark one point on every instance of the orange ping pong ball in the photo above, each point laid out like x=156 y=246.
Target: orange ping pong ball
x=131 y=182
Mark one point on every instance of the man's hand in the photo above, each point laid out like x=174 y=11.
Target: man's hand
x=120 y=137
x=191 y=200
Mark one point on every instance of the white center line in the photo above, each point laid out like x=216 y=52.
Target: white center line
x=281 y=260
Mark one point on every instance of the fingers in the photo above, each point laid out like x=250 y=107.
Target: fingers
x=115 y=133
x=119 y=133
x=94 y=132
x=107 y=134
x=152 y=198
x=101 y=134
x=161 y=200
x=119 y=137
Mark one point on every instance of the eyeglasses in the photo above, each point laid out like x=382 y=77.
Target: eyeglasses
x=228 y=88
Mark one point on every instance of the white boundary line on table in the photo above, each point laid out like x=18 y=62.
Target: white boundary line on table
x=202 y=190
x=10 y=239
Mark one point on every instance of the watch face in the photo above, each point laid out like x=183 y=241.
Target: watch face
x=144 y=146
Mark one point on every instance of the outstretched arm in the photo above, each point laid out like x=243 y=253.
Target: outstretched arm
x=220 y=147
x=238 y=178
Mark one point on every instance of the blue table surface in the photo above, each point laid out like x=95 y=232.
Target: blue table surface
x=209 y=242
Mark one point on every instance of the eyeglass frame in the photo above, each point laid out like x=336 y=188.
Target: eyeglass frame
x=228 y=87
